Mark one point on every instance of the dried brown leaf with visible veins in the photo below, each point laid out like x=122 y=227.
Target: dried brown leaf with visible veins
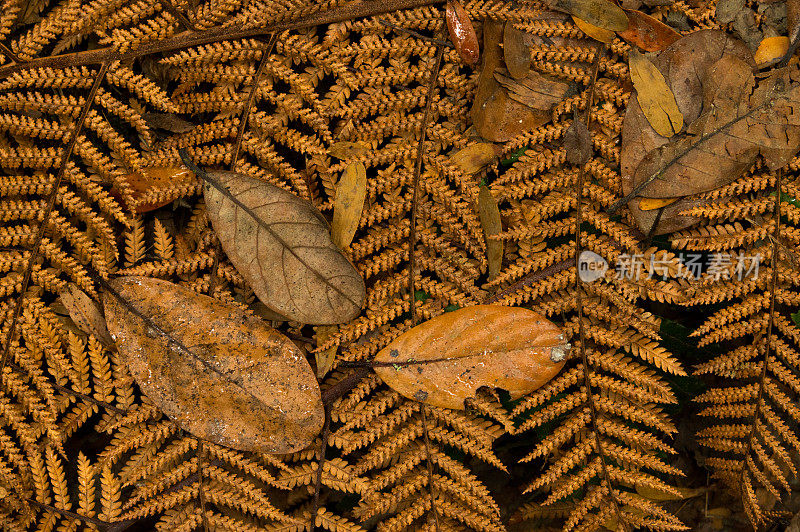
x=577 y=141
x=281 y=244
x=679 y=64
x=466 y=350
x=726 y=139
x=649 y=34
x=85 y=313
x=470 y=159
x=220 y=374
x=348 y=203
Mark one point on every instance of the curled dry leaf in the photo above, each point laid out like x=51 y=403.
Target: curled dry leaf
x=351 y=190
x=516 y=53
x=595 y=32
x=492 y=224
x=535 y=91
x=470 y=159
x=654 y=96
x=86 y=314
x=447 y=359
x=462 y=33
x=601 y=13
x=220 y=374
x=281 y=244
x=649 y=34
x=679 y=64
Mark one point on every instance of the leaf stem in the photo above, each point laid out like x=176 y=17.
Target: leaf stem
x=353 y=10
x=606 y=477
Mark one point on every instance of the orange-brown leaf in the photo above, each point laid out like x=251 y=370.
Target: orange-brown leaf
x=511 y=348
x=220 y=374
x=85 y=313
x=649 y=34
x=462 y=33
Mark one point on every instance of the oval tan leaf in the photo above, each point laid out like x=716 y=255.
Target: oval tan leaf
x=515 y=349
x=654 y=95
x=348 y=203
x=492 y=225
x=281 y=244
x=220 y=374
x=516 y=53
x=470 y=159
x=85 y=313
x=600 y=13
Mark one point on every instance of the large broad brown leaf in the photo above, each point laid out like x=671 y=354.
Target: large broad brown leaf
x=511 y=348
x=726 y=139
x=679 y=64
x=220 y=374
x=281 y=244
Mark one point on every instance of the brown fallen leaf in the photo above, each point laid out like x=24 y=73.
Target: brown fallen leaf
x=168 y=122
x=600 y=13
x=595 y=32
x=654 y=95
x=471 y=158
x=535 y=91
x=511 y=348
x=351 y=190
x=327 y=357
x=282 y=245
x=577 y=141
x=492 y=60
x=679 y=64
x=149 y=180
x=462 y=33
x=492 y=224
x=220 y=374
x=726 y=139
x=86 y=314
x=649 y=34
x=516 y=53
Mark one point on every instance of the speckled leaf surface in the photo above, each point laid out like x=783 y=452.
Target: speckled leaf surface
x=282 y=245
x=220 y=374
x=515 y=349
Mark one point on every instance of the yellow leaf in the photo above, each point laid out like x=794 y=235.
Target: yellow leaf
x=595 y=32
x=344 y=149
x=771 y=48
x=446 y=359
x=650 y=204
x=472 y=158
x=655 y=97
x=325 y=358
x=348 y=204
x=601 y=13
